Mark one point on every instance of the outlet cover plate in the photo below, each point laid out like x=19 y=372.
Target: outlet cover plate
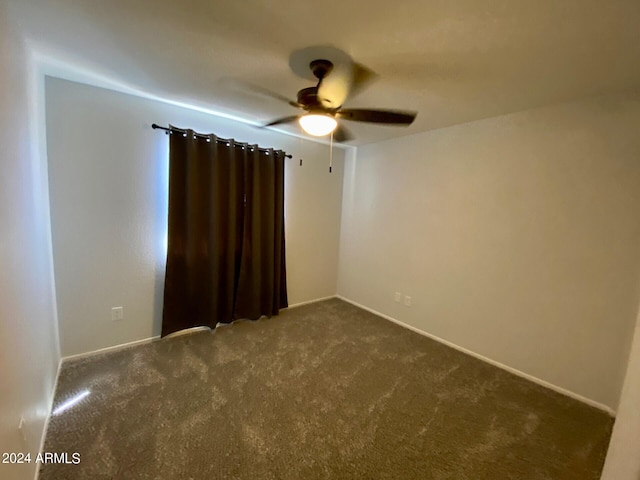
x=117 y=313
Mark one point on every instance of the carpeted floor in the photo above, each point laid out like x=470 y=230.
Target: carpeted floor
x=323 y=391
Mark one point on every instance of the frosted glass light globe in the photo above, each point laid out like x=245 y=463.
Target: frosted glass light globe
x=318 y=124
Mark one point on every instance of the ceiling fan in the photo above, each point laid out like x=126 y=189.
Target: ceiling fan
x=323 y=102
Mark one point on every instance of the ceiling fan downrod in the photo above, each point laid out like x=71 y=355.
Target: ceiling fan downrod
x=321 y=68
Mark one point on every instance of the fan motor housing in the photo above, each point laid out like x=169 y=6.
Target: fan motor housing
x=308 y=97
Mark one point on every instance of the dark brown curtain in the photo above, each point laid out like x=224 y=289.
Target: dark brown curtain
x=226 y=245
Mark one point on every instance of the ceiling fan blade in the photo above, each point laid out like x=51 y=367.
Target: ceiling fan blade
x=362 y=78
x=391 y=117
x=282 y=120
x=341 y=134
x=242 y=86
x=342 y=82
x=334 y=89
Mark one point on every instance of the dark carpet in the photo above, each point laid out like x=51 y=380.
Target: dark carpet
x=323 y=391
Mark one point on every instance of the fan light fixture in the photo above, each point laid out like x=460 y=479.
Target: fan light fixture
x=318 y=125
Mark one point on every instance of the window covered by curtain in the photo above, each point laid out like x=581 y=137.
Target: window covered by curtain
x=226 y=245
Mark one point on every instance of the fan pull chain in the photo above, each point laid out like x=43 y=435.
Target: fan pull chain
x=331 y=153
x=301 y=140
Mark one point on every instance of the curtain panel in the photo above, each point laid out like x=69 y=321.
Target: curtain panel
x=226 y=243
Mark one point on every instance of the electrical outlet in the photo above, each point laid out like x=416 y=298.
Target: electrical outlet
x=398 y=297
x=407 y=301
x=117 y=313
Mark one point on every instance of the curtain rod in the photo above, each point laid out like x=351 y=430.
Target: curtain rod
x=168 y=130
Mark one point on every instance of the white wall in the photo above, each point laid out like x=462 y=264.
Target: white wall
x=29 y=353
x=517 y=238
x=623 y=458
x=108 y=182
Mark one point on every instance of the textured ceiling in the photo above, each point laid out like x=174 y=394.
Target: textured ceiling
x=453 y=62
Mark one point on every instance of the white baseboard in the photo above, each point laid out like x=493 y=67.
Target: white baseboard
x=488 y=360
x=312 y=301
x=111 y=349
x=495 y=363
x=52 y=396
x=187 y=331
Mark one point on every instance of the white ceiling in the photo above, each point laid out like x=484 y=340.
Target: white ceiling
x=452 y=61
